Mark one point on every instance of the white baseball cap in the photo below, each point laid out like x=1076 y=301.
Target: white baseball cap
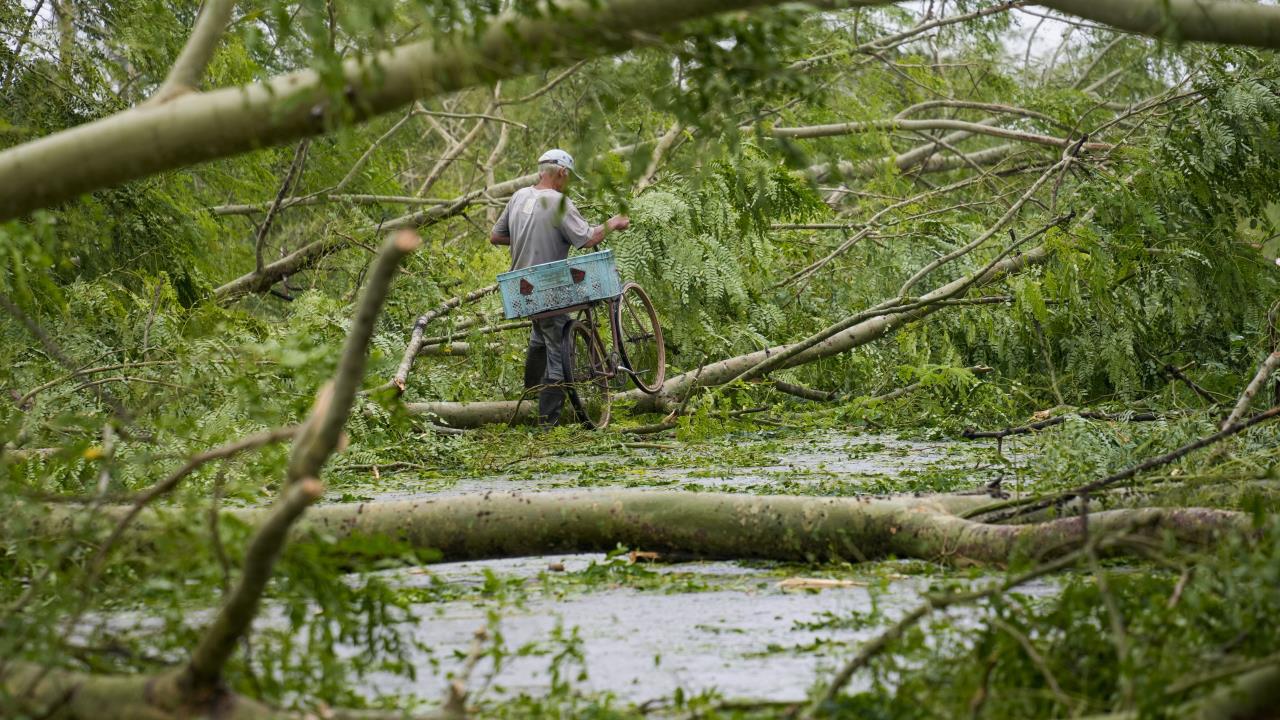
x=557 y=157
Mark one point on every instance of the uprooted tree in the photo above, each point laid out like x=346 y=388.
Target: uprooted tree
x=807 y=181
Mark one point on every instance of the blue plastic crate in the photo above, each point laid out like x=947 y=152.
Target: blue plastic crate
x=559 y=284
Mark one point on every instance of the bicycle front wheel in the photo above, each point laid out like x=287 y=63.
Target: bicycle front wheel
x=586 y=379
x=638 y=337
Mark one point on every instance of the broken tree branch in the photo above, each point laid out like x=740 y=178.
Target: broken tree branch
x=188 y=68
x=933 y=602
x=1032 y=504
x=476 y=116
x=460 y=146
x=327 y=197
x=548 y=87
x=1000 y=225
x=805 y=393
x=1260 y=378
x=484 y=330
x=973 y=105
x=898 y=306
x=1042 y=424
x=54 y=351
x=818 y=131
x=204 y=671
x=664 y=145
x=869 y=224
x=364 y=158
x=286 y=187
x=416 y=340
x=921 y=159
x=1179 y=374
x=26 y=397
x=320 y=434
x=197 y=127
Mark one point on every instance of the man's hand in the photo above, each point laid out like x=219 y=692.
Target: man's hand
x=619 y=222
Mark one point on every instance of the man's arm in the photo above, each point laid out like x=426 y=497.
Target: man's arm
x=599 y=232
x=501 y=233
x=575 y=230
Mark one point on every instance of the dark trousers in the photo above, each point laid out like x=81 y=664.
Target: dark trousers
x=544 y=366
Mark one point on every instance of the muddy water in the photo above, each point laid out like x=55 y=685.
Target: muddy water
x=749 y=640
x=737 y=633
x=856 y=459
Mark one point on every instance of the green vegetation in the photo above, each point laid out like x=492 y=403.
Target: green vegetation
x=791 y=172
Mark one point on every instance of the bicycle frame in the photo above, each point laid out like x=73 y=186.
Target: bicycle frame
x=613 y=359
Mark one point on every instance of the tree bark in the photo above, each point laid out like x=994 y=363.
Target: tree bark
x=709 y=525
x=189 y=67
x=922 y=156
x=476 y=414
x=1265 y=370
x=1215 y=21
x=197 y=127
x=734 y=526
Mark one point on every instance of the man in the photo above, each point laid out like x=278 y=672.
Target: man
x=540 y=224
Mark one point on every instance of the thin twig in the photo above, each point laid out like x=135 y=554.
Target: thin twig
x=286 y=186
x=933 y=602
x=1032 y=504
x=1042 y=424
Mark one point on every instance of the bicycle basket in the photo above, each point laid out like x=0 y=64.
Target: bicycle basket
x=559 y=284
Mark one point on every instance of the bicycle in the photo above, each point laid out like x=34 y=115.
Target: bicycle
x=637 y=352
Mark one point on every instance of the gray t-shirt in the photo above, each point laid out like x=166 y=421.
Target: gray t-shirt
x=542 y=224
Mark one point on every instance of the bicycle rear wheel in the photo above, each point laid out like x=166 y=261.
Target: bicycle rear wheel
x=638 y=337
x=586 y=379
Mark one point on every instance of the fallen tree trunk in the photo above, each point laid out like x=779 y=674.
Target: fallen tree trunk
x=786 y=528
x=708 y=525
x=68 y=695
x=675 y=388
x=475 y=414
x=733 y=526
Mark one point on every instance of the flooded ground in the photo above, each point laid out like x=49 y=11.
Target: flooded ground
x=821 y=463
x=718 y=627
x=643 y=632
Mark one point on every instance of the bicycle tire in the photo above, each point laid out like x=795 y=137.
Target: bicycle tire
x=586 y=380
x=638 y=339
